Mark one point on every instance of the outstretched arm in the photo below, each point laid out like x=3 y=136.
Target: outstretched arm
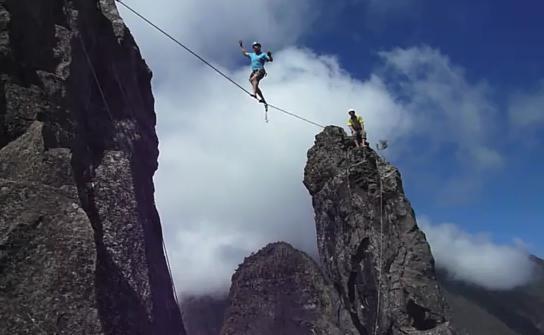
x=269 y=53
x=244 y=51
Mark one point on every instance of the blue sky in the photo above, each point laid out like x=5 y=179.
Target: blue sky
x=497 y=42
x=457 y=88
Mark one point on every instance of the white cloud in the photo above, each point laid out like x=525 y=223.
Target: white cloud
x=213 y=27
x=449 y=109
x=228 y=183
x=476 y=259
x=452 y=115
x=526 y=109
x=229 y=180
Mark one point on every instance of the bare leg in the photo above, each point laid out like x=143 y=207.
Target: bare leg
x=260 y=93
x=355 y=139
x=255 y=84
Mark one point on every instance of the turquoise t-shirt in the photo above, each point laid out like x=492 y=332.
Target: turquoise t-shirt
x=257 y=61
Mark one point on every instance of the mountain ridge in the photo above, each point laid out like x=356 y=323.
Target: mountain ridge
x=469 y=317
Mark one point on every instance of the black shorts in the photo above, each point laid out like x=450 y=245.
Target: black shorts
x=260 y=74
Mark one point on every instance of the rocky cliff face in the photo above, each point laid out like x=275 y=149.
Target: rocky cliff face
x=280 y=290
x=377 y=275
x=369 y=243
x=80 y=238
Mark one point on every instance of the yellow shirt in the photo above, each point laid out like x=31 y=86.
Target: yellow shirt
x=359 y=118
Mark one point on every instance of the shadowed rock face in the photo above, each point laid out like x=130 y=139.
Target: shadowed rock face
x=369 y=243
x=80 y=238
x=203 y=315
x=281 y=290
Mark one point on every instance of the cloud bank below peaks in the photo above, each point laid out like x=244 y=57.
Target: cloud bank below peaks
x=477 y=260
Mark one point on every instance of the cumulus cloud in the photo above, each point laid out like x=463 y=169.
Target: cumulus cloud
x=214 y=27
x=452 y=114
x=476 y=259
x=526 y=110
x=228 y=183
x=426 y=80
x=224 y=172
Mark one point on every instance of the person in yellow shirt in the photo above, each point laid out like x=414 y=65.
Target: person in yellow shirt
x=357 y=126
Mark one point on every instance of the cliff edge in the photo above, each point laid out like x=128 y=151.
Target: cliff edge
x=81 y=249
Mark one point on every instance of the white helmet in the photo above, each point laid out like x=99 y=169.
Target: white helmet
x=351 y=110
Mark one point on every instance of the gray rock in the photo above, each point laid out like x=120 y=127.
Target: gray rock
x=81 y=249
x=369 y=243
x=378 y=272
x=280 y=290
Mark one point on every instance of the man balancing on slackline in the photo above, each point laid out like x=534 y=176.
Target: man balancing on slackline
x=258 y=59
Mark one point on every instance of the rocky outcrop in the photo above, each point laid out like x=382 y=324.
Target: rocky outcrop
x=377 y=275
x=80 y=238
x=369 y=243
x=280 y=290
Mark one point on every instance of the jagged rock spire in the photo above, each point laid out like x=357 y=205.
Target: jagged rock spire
x=377 y=273
x=369 y=243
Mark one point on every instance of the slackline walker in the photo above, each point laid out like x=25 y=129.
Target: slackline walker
x=221 y=73
x=258 y=59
